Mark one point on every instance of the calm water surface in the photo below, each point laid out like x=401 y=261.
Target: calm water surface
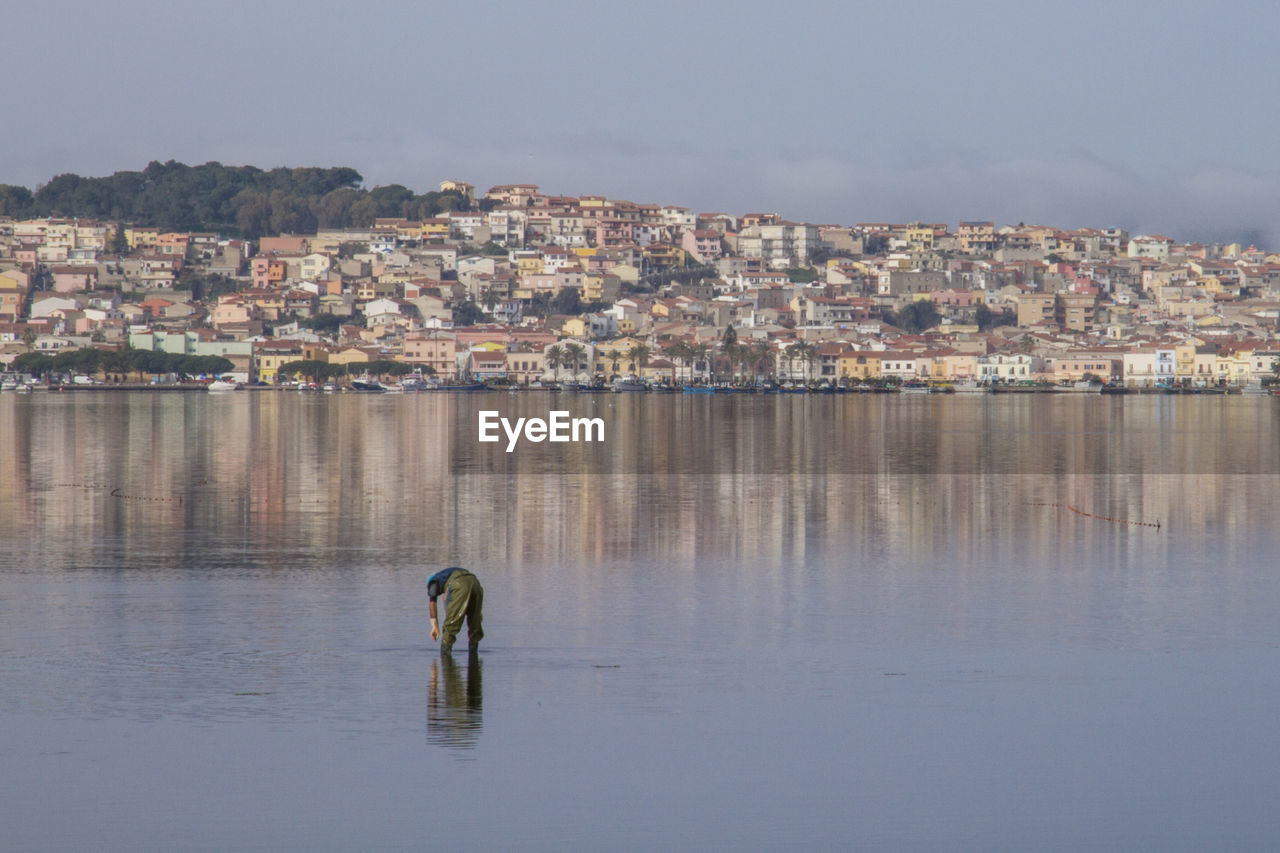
x=865 y=622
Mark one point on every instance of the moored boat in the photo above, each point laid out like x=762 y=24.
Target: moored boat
x=365 y=382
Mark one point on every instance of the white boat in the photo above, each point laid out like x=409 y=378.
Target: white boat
x=968 y=386
x=365 y=382
x=414 y=382
x=629 y=383
x=223 y=385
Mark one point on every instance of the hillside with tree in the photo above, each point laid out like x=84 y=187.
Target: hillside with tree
x=242 y=200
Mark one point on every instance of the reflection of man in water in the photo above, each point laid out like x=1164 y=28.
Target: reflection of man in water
x=455 y=720
x=465 y=598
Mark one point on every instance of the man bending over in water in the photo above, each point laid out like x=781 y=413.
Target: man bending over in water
x=465 y=598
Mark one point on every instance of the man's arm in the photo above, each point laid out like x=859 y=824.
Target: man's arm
x=435 y=626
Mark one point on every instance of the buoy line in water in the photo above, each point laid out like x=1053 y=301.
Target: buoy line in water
x=1077 y=511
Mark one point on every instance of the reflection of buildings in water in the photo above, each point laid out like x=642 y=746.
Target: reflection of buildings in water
x=453 y=702
x=770 y=480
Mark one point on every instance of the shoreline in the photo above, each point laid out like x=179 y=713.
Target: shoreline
x=198 y=388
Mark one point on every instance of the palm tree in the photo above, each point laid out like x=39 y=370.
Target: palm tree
x=810 y=356
x=574 y=353
x=760 y=354
x=793 y=352
x=555 y=358
x=639 y=355
x=678 y=352
x=807 y=353
x=698 y=355
x=736 y=354
x=613 y=357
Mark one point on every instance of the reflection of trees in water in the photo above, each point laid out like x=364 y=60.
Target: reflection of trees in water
x=453 y=702
x=677 y=479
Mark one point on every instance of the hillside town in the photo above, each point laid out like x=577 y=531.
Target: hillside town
x=525 y=288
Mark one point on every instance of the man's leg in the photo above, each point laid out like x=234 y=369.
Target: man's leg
x=460 y=588
x=475 y=615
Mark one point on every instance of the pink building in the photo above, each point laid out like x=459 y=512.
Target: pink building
x=74 y=279
x=434 y=349
x=703 y=245
x=260 y=267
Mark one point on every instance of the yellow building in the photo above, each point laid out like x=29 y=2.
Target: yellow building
x=919 y=235
x=575 y=327
x=856 y=365
x=13 y=290
x=661 y=257
x=350 y=356
x=1184 y=362
x=1234 y=368
x=376 y=288
x=1034 y=308
x=435 y=229
x=1075 y=311
x=408 y=231
x=142 y=238
x=463 y=188
x=270 y=302
x=270 y=356
x=324 y=244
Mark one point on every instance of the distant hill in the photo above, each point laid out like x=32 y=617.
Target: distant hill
x=242 y=200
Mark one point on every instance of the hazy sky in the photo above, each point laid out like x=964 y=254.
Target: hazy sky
x=1155 y=116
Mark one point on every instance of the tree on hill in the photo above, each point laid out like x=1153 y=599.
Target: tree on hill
x=119 y=240
x=468 y=313
x=243 y=200
x=875 y=245
x=16 y=201
x=322 y=324
x=567 y=301
x=205 y=286
x=988 y=319
x=917 y=316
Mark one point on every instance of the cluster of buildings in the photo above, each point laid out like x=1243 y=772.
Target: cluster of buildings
x=526 y=286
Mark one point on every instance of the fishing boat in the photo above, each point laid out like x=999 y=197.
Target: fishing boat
x=629 y=383
x=414 y=382
x=365 y=382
